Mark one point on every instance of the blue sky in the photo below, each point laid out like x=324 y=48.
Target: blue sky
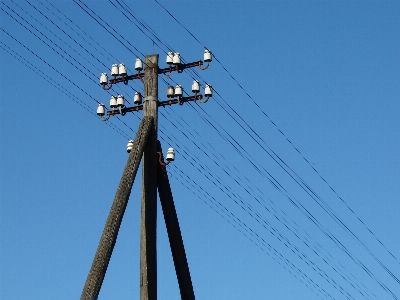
x=286 y=182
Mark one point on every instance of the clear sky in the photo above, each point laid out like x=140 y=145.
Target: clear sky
x=286 y=183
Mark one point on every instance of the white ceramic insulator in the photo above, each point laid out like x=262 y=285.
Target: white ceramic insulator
x=103 y=78
x=178 y=90
x=170 y=154
x=114 y=70
x=138 y=64
x=207 y=56
x=170 y=58
x=122 y=69
x=208 y=90
x=100 y=109
x=195 y=86
x=113 y=101
x=137 y=99
x=177 y=58
x=170 y=91
x=129 y=146
x=120 y=100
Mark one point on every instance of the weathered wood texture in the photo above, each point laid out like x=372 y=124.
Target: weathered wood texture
x=174 y=233
x=108 y=238
x=148 y=246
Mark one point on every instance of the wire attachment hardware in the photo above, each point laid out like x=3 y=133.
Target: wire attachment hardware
x=207 y=58
x=175 y=95
x=207 y=93
x=170 y=157
x=100 y=112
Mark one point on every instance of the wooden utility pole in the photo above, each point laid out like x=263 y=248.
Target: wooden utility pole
x=145 y=147
x=148 y=245
x=174 y=233
x=108 y=238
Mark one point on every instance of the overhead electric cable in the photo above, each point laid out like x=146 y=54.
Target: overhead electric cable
x=84 y=38
x=313 y=195
x=87 y=36
x=263 y=243
x=283 y=134
x=262 y=221
x=69 y=80
x=96 y=18
x=309 y=216
x=46 y=43
x=252 y=231
x=57 y=86
x=62 y=30
x=53 y=32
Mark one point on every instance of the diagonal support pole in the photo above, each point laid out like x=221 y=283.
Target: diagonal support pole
x=102 y=257
x=174 y=233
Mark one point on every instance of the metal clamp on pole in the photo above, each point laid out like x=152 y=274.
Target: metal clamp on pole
x=150 y=98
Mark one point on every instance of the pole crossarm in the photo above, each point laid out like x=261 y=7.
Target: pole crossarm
x=174 y=233
x=109 y=236
x=159 y=103
x=180 y=67
x=170 y=69
x=126 y=78
x=181 y=100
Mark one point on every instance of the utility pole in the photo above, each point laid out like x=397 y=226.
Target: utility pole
x=148 y=245
x=154 y=175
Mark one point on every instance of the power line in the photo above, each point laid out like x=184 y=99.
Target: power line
x=57 y=86
x=246 y=207
x=283 y=134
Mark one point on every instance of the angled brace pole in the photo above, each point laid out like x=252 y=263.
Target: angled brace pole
x=174 y=233
x=102 y=257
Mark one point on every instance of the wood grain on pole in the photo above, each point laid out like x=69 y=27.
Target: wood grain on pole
x=174 y=233
x=108 y=238
x=148 y=246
